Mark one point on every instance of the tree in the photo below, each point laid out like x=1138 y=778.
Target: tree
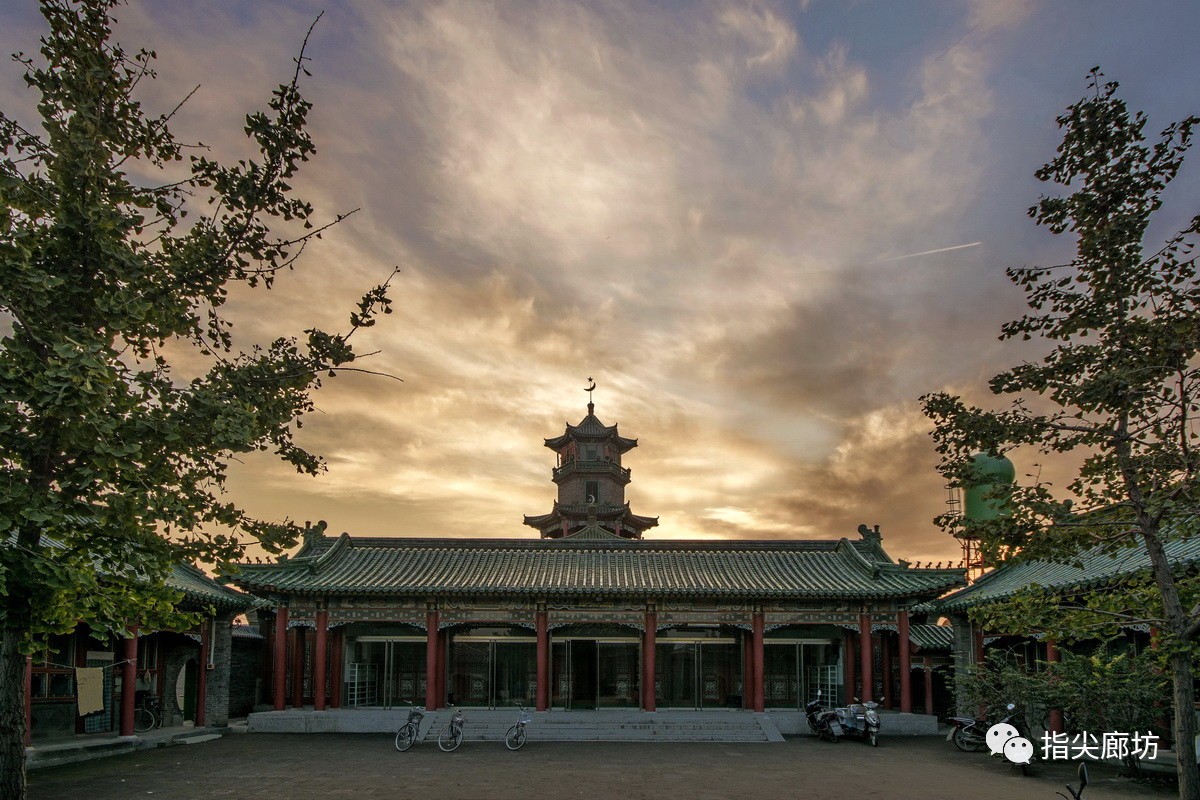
x=1117 y=387
x=118 y=254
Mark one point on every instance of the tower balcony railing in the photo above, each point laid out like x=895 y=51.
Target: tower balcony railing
x=578 y=467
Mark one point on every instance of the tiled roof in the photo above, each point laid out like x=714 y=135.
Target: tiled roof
x=200 y=588
x=932 y=637
x=194 y=583
x=1093 y=568
x=246 y=632
x=590 y=427
x=618 y=567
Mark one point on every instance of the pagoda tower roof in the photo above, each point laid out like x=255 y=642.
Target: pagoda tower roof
x=591 y=428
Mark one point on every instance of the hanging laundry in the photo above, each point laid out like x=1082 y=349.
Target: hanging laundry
x=89 y=684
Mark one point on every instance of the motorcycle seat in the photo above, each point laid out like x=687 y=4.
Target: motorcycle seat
x=963 y=720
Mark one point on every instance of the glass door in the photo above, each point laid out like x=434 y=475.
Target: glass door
x=617 y=667
x=385 y=671
x=781 y=675
x=720 y=667
x=675 y=667
x=492 y=671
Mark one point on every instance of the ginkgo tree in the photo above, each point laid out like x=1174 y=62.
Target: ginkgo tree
x=123 y=394
x=1116 y=392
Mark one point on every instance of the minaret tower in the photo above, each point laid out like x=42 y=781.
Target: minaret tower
x=591 y=482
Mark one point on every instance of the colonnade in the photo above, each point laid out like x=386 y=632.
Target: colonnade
x=855 y=665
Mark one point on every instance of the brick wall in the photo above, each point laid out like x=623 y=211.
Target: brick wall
x=245 y=674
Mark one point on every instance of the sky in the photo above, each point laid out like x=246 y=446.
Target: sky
x=712 y=209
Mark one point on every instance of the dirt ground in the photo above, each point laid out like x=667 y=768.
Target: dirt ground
x=363 y=767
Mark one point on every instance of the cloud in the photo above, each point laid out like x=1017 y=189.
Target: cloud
x=680 y=201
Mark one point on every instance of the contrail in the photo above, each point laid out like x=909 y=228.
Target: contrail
x=927 y=252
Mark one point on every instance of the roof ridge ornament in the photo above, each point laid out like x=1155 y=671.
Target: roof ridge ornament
x=589 y=390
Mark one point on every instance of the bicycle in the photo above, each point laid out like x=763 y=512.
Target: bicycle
x=451 y=736
x=406 y=737
x=148 y=714
x=516 y=734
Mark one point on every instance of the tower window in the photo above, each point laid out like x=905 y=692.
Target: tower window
x=591 y=454
x=591 y=492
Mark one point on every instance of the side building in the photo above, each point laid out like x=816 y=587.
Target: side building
x=589 y=614
x=187 y=671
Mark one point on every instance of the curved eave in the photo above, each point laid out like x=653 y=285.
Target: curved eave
x=427 y=590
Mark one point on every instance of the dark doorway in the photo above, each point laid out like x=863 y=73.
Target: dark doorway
x=583 y=673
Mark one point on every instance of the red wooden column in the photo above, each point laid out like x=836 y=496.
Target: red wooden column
x=335 y=669
x=756 y=647
x=202 y=672
x=320 y=660
x=747 y=672
x=128 y=677
x=979 y=654
x=443 y=643
x=543 y=661
x=649 y=701
x=849 y=674
x=28 y=700
x=905 y=645
x=1056 y=715
x=279 y=670
x=867 y=655
x=929 y=685
x=431 y=660
x=298 y=636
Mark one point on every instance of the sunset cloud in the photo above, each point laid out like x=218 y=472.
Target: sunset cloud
x=687 y=202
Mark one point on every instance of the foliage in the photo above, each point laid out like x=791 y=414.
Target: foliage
x=124 y=398
x=1099 y=691
x=122 y=395
x=1001 y=680
x=1117 y=385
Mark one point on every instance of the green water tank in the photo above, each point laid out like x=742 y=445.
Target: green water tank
x=989 y=471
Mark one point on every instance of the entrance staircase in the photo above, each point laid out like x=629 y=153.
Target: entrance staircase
x=486 y=725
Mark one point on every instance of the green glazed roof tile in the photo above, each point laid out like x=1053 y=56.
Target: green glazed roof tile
x=1094 y=568
x=615 y=567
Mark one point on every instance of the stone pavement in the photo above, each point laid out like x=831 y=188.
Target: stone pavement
x=366 y=766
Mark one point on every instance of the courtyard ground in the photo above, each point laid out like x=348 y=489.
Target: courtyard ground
x=366 y=766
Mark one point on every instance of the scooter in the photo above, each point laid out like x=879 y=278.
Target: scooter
x=823 y=724
x=861 y=721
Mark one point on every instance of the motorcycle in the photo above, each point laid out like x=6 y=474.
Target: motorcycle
x=860 y=721
x=968 y=733
x=823 y=724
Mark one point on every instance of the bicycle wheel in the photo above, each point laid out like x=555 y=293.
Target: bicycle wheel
x=143 y=720
x=515 y=737
x=406 y=737
x=450 y=738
